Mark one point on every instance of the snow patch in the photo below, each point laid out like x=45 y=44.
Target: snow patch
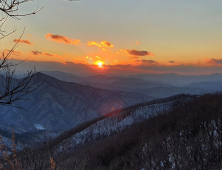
x=39 y=127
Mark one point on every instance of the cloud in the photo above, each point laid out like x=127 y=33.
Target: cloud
x=17 y=53
x=106 y=44
x=139 y=53
x=102 y=44
x=134 y=57
x=23 y=41
x=62 y=39
x=51 y=55
x=36 y=52
x=137 y=42
x=39 y=53
x=119 y=69
x=215 y=61
x=171 y=61
x=148 y=62
x=90 y=43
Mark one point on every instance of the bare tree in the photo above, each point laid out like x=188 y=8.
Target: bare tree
x=11 y=88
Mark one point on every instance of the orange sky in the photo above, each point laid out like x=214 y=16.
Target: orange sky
x=140 y=34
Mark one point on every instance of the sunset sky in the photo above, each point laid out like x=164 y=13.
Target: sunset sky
x=122 y=36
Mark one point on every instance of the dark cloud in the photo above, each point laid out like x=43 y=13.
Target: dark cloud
x=215 y=61
x=171 y=61
x=39 y=53
x=36 y=52
x=62 y=39
x=51 y=55
x=23 y=41
x=148 y=62
x=139 y=53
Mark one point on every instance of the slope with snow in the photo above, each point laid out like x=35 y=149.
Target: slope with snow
x=126 y=117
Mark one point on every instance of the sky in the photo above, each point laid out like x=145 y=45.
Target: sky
x=88 y=37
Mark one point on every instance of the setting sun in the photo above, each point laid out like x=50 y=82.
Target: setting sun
x=99 y=63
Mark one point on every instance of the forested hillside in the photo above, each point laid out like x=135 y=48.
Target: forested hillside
x=185 y=136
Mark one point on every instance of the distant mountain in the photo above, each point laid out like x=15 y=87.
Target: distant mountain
x=108 y=79
x=57 y=105
x=211 y=85
x=107 y=82
x=155 y=85
x=178 y=80
x=162 y=92
x=126 y=86
x=68 y=77
x=148 y=80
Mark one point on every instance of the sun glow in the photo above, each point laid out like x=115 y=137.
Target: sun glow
x=99 y=63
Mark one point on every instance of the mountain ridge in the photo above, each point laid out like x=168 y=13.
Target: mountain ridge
x=59 y=105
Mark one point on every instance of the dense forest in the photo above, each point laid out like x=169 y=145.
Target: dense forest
x=186 y=137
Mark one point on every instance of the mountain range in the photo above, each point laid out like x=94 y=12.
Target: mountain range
x=164 y=79
x=178 y=80
x=155 y=85
x=57 y=105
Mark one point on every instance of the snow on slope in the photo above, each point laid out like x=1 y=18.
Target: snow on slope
x=39 y=127
x=122 y=120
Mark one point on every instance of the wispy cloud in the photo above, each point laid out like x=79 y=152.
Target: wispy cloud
x=17 y=53
x=172 y=62
x=134 y=57
x=62 y=39
x=137 y=42
x=23 y=41
x=149 y=62
x=51 y=55
x=42 y=53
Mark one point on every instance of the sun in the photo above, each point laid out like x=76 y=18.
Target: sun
x=99 y=63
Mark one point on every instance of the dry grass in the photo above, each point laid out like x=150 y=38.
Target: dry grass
x=10 y=162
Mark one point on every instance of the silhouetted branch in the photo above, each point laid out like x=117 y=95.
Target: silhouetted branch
x=11 y=88
x=9 y=9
